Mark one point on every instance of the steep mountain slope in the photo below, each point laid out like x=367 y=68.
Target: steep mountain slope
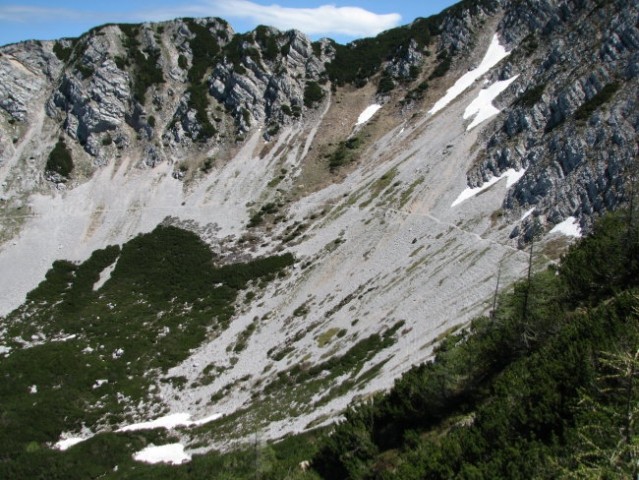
x=400 y=219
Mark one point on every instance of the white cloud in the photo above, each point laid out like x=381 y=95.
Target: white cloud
x=326 y=19
x=322 y=20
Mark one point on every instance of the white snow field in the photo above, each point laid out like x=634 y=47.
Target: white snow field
x=511 y=175
x=368 y=113
x=172 y=453
x=495 y=53
x=482 y=107
x=569 y=227
x=68 y=442
x=168 y=422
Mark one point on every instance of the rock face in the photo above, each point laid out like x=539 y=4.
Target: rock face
x=262 y=85
x=117 y=84
x=573 y=120
x=25 y=69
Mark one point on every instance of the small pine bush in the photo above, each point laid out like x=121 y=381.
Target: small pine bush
x=60 y=160
x=312 y=93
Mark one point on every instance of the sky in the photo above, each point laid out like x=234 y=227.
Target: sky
x=342 y=20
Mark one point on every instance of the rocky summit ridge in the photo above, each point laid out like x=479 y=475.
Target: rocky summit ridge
x=400 y=223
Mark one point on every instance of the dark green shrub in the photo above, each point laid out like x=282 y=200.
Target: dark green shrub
x=286 y=110
x=60 y=160
x=246 y=116
x=386 y=84
x=146 y=71
x=85 y=71
x=344 y=153
x=120 y=62
x=198 y=100
x=587 y=109
x=273 y=128
x=312 y=93
x=183 y=62
x=356 y=62
x=413 y=72
x=443 y=65
x=505 y=397
x=63 y=53
x=531 y=96
x=205 y=49
x=267 y=41
x=415 y=94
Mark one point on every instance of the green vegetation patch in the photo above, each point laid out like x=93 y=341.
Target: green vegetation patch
x=313 y=93
x=415 y=94
x=325 y=338
x=444 y=62
x=267 y=41
x=244 y=336
x=164 y=296
x=63 y=53
x=146 y=71
x=266 y=211
x=205 y=49
x=587 y=109
x=344 y=154
x=408 y=193
x=295 y=391
x=531 y=96
x=60 y=160
x=356 y=62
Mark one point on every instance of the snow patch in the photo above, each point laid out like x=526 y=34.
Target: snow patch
x=170 y=421
x=368 y=113
x=172 y=453
x=167 y=422
x=98 y=383
x=105 y=275
x=512 y=176
x=68 y=443
x=569 y=227
x=494 y=55
x=66 y=338
x=482 y=107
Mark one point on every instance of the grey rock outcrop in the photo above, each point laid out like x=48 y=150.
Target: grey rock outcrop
x=26 y=71
x=261 y=84
x=573 y=118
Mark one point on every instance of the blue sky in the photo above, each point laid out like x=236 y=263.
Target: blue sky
x=342 y=20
